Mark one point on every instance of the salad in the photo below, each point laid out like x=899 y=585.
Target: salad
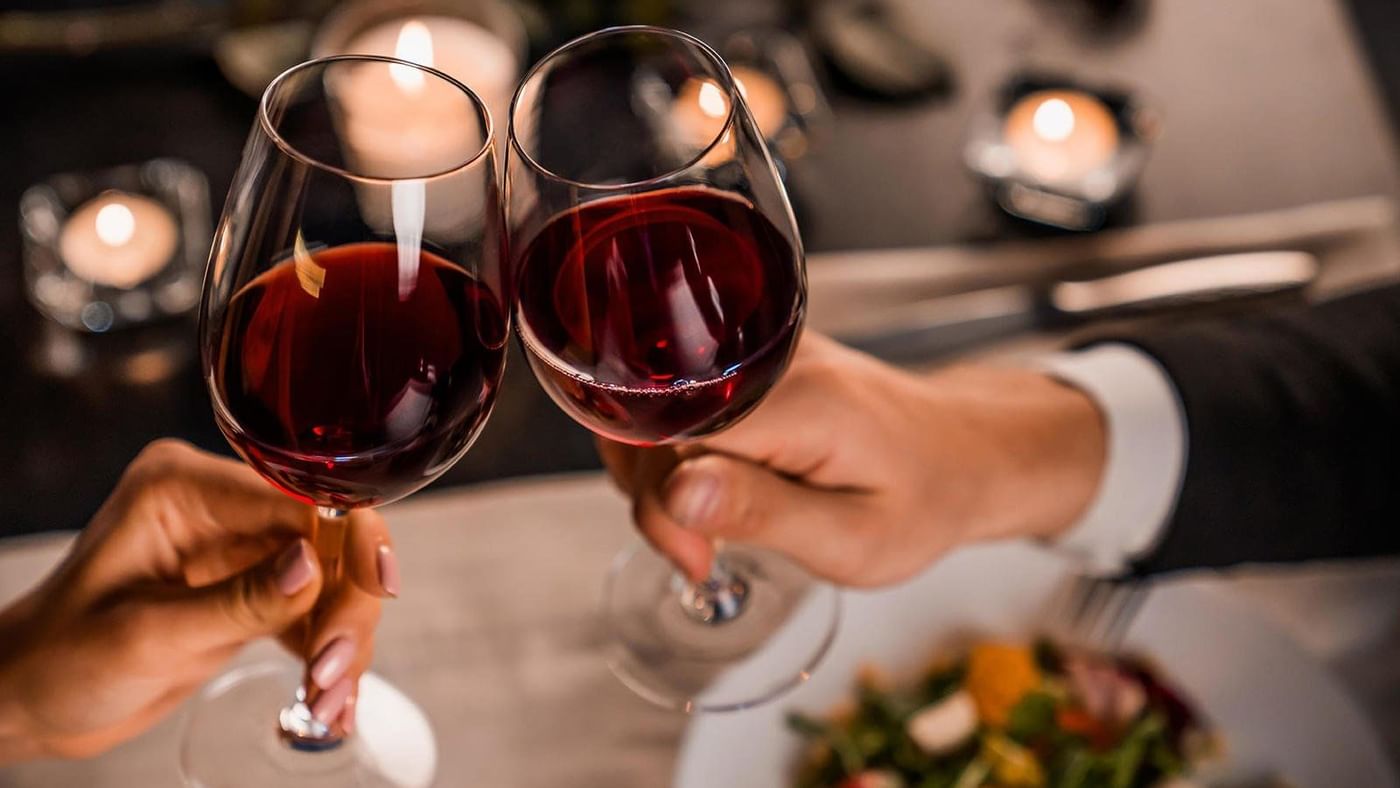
x=1008 y=715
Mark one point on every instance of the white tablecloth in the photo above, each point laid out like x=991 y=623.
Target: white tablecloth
x=496 y=636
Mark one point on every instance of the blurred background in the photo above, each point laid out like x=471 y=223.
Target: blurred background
x=950 y=164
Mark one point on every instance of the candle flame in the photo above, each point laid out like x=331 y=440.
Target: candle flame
x=1053 y=120
x=115 y=224
x=712 y=100
x=415 y=44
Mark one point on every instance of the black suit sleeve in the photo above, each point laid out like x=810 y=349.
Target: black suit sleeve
x=1293 y=424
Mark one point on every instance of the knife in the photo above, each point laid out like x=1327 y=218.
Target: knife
x=930 y=329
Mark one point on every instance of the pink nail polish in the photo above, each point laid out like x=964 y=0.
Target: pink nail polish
x=388 y=570
x=330 y=703
x=330 y=665
x=294 y=569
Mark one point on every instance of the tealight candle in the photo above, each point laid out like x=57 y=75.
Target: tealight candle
x=399 y=122
x=701 y=106
x=118 y=239
x=764 y=97
x=464 y=50
x=1060 y=135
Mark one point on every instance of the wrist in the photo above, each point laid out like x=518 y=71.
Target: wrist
x=16 y=740
x=1042 y=452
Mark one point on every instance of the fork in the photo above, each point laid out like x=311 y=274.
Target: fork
x=1096 y=612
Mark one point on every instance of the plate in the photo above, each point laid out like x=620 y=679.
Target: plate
x=1280 y=711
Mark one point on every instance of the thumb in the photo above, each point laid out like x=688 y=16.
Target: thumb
x=263 y=600
x=718 y=497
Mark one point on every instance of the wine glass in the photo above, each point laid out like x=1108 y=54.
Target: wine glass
x=353 y=328
x=660 y=294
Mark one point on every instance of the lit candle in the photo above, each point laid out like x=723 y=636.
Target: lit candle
x=764 y=97
x=701 y=106
x=1061 y=135
x=118 y=239
x=466 y=51
x=400 y=122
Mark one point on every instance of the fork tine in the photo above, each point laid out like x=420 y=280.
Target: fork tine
x=1130 y=594
x=1096 y=612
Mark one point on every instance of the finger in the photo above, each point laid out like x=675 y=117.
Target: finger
x=347 y=715
x=370 y=560
x=689 y=551
x=779 y=432
x=620 y=460
x=220 y=559
x=341 y=642
x=206 y=497
x=261 y=601
x=717 y=497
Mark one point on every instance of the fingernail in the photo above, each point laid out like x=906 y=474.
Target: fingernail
x=692 y=497
x=294 y=569
x=330 y=703
x=331 y=663
x=347 y=717
x=388 y=570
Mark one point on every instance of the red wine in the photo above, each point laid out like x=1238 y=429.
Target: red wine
x=349 y=379
x=659 y=316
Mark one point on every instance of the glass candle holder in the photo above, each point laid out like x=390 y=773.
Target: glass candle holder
x=781 y=89
x=116 y=248
x=1060 y=152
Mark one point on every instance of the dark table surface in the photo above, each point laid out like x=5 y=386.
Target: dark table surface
x=1266 y=105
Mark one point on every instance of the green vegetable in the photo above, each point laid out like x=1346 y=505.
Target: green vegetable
x=1129 y=754
x=1032 y=718
x=836 y=737
x=875 y=737
x=976 y=773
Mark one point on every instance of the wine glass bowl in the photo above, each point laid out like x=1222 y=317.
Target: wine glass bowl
x=353 y=331
x=355 y=339
x=661 y=285
x=662 y=316
x=660 y=292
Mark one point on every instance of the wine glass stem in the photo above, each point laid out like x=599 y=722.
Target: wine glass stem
x=300 y=728
x=722 y=596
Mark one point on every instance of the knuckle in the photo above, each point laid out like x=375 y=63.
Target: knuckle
x=241 y=606
x=164 y=451
x=160 y=459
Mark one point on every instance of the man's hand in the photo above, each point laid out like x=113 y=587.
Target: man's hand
x=866 y=474
x=190 y=558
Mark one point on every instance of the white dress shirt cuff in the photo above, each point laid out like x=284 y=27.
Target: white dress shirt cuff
x=1146 y=461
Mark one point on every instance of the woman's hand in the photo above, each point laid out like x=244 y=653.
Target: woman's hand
x=866 y=474
x=190 y=558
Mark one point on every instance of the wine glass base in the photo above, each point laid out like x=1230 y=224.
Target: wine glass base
x=232 y=739
x=678 y=660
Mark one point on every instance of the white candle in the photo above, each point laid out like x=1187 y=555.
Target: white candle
x=1061 y=135
x=400 y=122
x=701 y=107
x=118 y=239
x=466 y=51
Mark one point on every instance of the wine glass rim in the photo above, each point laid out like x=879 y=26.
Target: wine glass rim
x=268 y=128
x=726 y=78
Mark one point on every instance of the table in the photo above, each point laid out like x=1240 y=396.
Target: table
x=496 y=635
x=1268 y=106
